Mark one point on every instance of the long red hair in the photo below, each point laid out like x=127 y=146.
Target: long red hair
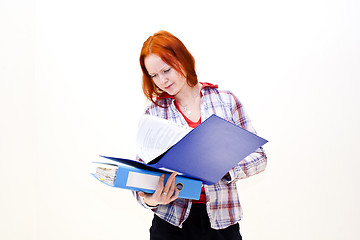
x=174 y=53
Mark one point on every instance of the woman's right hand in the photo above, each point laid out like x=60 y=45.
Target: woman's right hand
x=164 y=194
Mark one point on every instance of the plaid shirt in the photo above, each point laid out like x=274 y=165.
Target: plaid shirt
x=222 y=201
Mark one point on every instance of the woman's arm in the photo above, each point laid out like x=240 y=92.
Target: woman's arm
x=249 y=166
x=255 y=162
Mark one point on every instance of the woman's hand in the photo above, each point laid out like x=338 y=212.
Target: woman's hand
x=163 y=194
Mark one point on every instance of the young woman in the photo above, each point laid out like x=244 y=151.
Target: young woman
x=170 y=83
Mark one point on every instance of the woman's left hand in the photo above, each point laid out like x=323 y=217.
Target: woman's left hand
x=164 y=194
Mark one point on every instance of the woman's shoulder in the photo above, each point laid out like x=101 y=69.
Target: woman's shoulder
x=160 y=106
x=214 y=88
x=224 y=94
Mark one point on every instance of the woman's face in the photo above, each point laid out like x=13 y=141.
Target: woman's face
x=164 y=76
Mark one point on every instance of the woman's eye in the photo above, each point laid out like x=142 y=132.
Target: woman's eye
x=152 y=76
x=167 y=70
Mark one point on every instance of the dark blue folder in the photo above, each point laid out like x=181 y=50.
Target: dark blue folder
x=207 y=152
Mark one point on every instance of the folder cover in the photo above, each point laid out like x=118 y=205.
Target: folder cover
x=207 y=152
x=139 y=179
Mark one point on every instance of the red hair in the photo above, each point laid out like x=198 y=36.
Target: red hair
x=174 y=53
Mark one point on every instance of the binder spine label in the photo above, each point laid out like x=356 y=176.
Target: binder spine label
x=141 y=180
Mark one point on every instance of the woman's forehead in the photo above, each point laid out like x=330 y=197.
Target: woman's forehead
x=154 y=63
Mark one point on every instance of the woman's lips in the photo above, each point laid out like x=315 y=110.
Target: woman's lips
x=169 y=86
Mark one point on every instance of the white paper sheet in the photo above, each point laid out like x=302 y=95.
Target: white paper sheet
x=156 y=135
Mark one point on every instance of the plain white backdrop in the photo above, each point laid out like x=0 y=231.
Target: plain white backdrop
x=70 y=89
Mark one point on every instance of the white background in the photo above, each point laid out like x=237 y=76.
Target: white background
x=70 y=89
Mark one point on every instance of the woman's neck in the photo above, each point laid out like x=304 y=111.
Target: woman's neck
x=188 y=95
x=189 y=102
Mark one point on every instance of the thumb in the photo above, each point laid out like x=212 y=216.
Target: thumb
x=141 y=194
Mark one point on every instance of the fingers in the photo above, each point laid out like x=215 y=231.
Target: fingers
x=163 y=194
x=175 y=196
x=160 y=186
x=169 y=187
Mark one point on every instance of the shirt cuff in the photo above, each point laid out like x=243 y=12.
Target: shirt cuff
x=145 y=205
x=228 y=178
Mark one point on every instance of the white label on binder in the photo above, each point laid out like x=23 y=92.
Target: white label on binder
x=141 y=180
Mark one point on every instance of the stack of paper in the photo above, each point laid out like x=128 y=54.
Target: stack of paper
x=156 y=135
x=106 y=174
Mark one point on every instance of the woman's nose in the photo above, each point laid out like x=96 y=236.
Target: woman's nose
x=163 y=79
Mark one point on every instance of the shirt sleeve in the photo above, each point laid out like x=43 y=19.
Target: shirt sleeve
x=141 y=201
x=255 y=162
